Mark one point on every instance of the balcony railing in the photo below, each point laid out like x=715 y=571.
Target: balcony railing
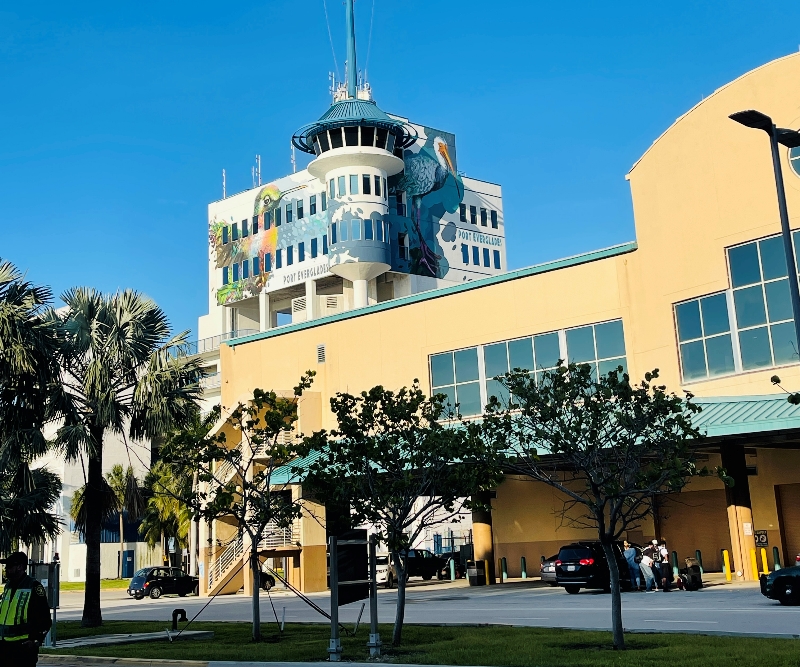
x=209 y=344
x=211 y=381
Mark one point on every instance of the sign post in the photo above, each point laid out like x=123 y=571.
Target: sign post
x=335 y=645
x=374 y=643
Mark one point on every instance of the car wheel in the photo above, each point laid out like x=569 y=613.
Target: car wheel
x=138 y=596
x=427 y=577
x=267 y=584
x=786 y=593
x=155 y=593
x=572 y=589
x=552 y=583
x=196 y=589
x=439 y=575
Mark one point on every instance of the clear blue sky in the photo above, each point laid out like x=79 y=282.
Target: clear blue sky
x=117 y=118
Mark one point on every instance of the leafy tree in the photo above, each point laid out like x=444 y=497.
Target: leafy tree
x=236 y=477
x=120 y=375
x=609 y=446
x=165 y=516
x=398 y=467
x=128 y=498
x=28 y=373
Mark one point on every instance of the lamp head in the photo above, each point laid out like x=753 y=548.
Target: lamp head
x=754 y=119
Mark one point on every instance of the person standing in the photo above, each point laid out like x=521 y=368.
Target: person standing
x=24 y=614
x=647 y=570
x=666 y=567
x=630 y=554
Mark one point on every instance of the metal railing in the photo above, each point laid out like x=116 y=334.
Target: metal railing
x=279 y=537
x=211 y=381
x=232 y=555
x=208 y=344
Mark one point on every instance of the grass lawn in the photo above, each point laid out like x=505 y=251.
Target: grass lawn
x=104 y=584
x=452 y=646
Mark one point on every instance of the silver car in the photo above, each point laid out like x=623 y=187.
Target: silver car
x=548 y=570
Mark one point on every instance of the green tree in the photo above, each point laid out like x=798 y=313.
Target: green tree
x=390 y=451
x=235 y=479
x=28 y=374
x=609 y=446
x=128 y=498
x=165 y=515
x=120 y=376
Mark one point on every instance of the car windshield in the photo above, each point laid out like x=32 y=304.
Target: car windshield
x=574 y=553
x=382 y=560
x=140 y=573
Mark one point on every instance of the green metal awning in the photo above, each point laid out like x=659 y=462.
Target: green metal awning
x=743 y=415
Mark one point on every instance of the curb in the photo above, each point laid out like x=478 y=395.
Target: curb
x=76 y=660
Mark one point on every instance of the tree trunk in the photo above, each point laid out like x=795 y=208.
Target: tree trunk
x=255 y=568
x=616 y=596
x=121 y=545
x=400 y=610
x=92 y=616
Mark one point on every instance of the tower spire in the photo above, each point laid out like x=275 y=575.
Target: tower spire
x=352 y=69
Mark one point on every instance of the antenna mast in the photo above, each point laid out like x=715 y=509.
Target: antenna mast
x=294 y=161
x=223 y=185
x=258 y=169
x=352 y=69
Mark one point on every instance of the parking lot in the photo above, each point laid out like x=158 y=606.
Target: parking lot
x=737 y=608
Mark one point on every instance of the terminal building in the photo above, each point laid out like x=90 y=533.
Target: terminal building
x=701 y=293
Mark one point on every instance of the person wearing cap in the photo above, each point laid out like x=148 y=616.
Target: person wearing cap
x=24 y=614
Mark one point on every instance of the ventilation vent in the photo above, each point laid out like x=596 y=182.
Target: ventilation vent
x=330 y=304
x=299 y=313
x=320 y=354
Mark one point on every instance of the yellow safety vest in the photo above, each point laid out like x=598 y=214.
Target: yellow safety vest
x=14 y=615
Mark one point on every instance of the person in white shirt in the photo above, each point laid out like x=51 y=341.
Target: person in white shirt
x=646 y=566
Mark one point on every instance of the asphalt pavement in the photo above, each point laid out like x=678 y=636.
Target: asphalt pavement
x=731 y=608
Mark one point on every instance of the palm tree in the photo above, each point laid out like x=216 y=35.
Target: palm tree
x=28 y=373
x=120 y=375
x=165 y=515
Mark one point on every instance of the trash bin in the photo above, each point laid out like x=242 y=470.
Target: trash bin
x=476 y=572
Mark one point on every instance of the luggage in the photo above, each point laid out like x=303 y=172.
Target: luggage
x=691 y=575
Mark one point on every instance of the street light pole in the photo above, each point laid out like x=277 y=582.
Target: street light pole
x=791 y=139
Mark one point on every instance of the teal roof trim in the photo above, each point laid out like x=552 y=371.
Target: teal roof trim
x=283 y=475
x=575 y=260
x=741 y=415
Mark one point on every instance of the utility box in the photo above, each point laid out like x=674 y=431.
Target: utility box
x=476 y=572
x=48 y=575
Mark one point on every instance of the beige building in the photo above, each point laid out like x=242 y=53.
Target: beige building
x=701 y=294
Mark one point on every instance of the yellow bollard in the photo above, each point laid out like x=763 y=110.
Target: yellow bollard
x=754 y=563
x=764 y=561
x=726 y=558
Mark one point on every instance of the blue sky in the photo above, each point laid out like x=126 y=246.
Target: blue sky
x=117 y=118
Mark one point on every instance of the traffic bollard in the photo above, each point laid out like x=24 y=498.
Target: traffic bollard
x=699 y=556
x=504 y=568
x=754 y=563
x=764 y=561
x=726 y=564
x=675 y=568
x=776 y=557
x=523 y=567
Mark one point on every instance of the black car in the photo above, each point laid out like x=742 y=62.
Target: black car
x=460 y=569
x=158 y=581
x=267 y=581
x=419 y=563
x=584 y=565
x=782 y=585
x=548 y=570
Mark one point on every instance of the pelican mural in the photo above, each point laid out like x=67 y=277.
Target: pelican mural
x=423 y=174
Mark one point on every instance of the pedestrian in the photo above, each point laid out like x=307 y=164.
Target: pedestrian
x=666 y=567
x=632 y=556
x=646 y=567
x=24 y=614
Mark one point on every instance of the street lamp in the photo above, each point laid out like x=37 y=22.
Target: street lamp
x=791 y=139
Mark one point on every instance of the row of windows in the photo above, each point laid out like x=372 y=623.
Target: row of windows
x=467 y=376
x=486 y=215
x=746 y=327
x=356 y=229
x=376 y=137
x=369 y=184
x=476 y=256
x=292 y=208
x=257 y=265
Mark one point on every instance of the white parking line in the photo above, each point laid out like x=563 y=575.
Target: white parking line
x=661 y=620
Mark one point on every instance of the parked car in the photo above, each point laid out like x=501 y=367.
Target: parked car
x=382 y=570
x=447 y=556
x=584 y=565
x=157 y=581
x=419 y=563
x=267 y=581
x=782 y=585
x=548 y=570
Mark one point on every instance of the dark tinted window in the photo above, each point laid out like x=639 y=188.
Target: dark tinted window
x=323 y=141
x=367 y=136
x=575 y=553
x=351 y=136
x=380 y=137
x=336 y=137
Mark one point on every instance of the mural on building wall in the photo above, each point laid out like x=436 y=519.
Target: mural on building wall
x=432 y=187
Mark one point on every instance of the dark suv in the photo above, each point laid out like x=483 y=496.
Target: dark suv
x=419 y=563
x=158 y=581
x=583 y=565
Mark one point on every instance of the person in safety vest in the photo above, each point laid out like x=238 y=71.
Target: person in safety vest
x=24 y=614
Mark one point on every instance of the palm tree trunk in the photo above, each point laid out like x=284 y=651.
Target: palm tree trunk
x=92 y=616
x=121 y=545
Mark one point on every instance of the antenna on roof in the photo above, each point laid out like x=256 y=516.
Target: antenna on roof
x=258 y=169
x=352 y=69
x=294 y=161
x=223 y=185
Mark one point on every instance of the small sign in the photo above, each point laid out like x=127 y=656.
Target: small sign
x=172 y=543
x=748 y=529
x=761 y=539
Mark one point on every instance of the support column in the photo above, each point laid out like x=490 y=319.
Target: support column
x=740 y=513
x=360 y=299
x=311 y=300
x=264 y=319
x=482 y=538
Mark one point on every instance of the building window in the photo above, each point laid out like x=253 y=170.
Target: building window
x=289 y=255
x=367 y=136
x=299 y=209
x=534 y=354
x=343 y=230
x=353 y=184
x=379 y=230
x=289 y=213
x=325 y=200
x=342 y=192
x=476 y=255
x=356 y=227
x=351 y=136
x=301 y=251
x=313 y=248
x=602 y=346
x=367 y=229
x=494 y=219
x=486 y=257
x=278 y=258
x=235 y=230
x=245 y=269
x=366 y=184
x=704 y=337
x=236 y=272
x=267 y=220
x=402 y=245
x=225 y=238
x=255 y=224
x=245 y=230
x=462 y=212
x=336 y=137
x=324 y=244
x=484 y=218
x=496 y=254
x=473 y=215
x=267 y=263
x=401 y=209
x=377 y=182
x=277 y=217
x=457 y=376
x=322 y=137
x=256 y=266
x=465 y=253
x=385 y=192
x=794 y=160
x=331 y=189
x=312 y=204
x=225 y=276
x=380 y=137
x=333 y=232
